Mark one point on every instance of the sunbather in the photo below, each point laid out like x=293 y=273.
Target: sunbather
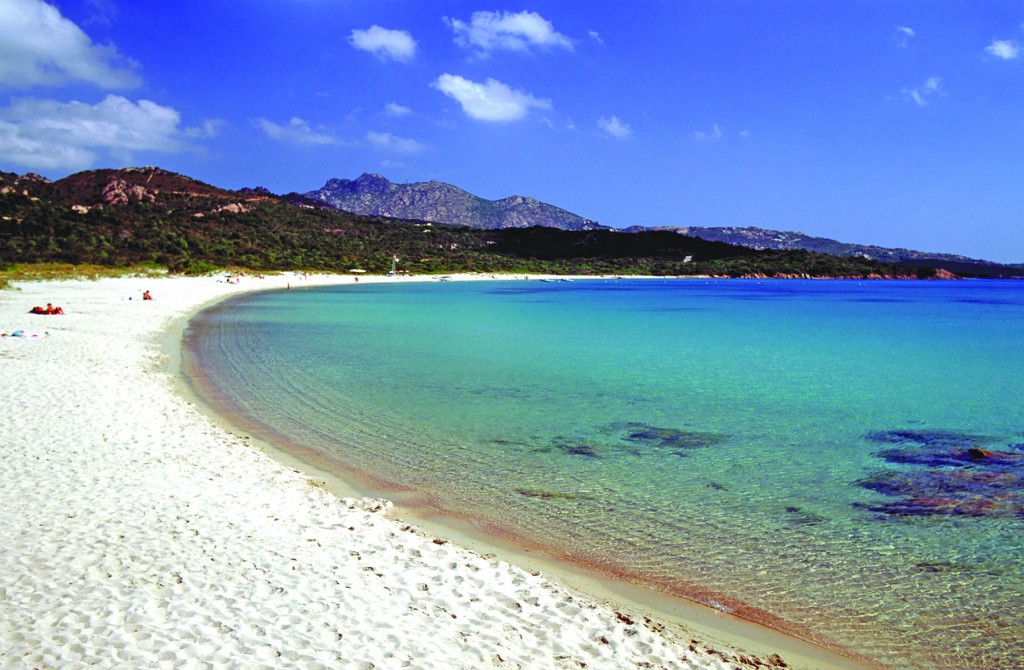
x=49 y=309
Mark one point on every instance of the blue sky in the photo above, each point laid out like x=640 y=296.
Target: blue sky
x=898 y=123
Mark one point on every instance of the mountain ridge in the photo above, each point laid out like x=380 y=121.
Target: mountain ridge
x=782 y=240
x=372 y=194
x=153 y=217
x=438 y=202
x=150 y=214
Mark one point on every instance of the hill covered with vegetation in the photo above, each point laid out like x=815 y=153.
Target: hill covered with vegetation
x=148 y=216
x=780 y=240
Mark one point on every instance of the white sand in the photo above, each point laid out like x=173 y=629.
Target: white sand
x=137 y=533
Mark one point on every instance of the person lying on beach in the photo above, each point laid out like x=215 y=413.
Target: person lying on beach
x=49 y=309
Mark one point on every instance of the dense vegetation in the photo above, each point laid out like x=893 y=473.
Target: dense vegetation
x=151 y=217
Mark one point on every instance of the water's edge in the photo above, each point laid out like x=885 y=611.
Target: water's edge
x=757 y=632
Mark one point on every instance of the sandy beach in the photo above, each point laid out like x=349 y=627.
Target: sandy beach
x=136 y=531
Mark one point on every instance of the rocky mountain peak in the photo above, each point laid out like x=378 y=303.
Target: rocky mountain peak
x=371 y=183
x=366 y=183
x=438 y=202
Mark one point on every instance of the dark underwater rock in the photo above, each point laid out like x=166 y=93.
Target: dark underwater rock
x=928 y=438
x=971 y=507
x=799 y=517
x=943 y=448
x=551 y=495
x=578 y=450
x=672 y=438
x=986 y=457
x=941 y=457
x=952 y=473
x=937 y=482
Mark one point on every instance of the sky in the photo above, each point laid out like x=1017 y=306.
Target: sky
x=891 y=122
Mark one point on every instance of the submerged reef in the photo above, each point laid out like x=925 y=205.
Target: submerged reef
x=674 y=439
x=795 y=516
x=636 y=439
x=947 y=473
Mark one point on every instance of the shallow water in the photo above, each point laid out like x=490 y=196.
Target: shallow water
x=798 y=446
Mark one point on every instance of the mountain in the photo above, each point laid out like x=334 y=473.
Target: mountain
x=97 y=189
x=152 y=217
x=374 y=195
x=779 y=240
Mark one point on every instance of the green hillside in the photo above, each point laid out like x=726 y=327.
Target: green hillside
x=119 y=218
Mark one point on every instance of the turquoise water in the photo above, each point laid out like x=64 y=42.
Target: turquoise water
x=801 y=447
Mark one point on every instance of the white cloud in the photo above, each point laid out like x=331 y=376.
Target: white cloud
x=903 y=36
x=923 y=93
x=914 y=95
x=489 y=101
x=714 y=135
x=394 y=109
x=48 y=134
x=383 y=43
x=1004 y=49
x=614 y=127
x=595 y=36
x=389 y=142
x=209 y=128
x=297 y=132
x=39 y=47
x=504 y=31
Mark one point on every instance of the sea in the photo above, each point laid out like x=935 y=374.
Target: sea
x=842 y=459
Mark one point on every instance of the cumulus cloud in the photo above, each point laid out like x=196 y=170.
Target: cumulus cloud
x=923 y=93
x=714 y=135
x=48 y=134
x=394 y=44
x=903 y=36
x=394 y=109
x=614 y=127
x=489 y=101
x=504 y=31
x=1004 y=49
x=39 y=47
x=296 y=131
x=389 y=142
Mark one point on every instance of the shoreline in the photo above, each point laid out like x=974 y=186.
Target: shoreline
x=134 y=456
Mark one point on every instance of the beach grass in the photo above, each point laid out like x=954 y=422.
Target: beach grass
x=57 y=271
